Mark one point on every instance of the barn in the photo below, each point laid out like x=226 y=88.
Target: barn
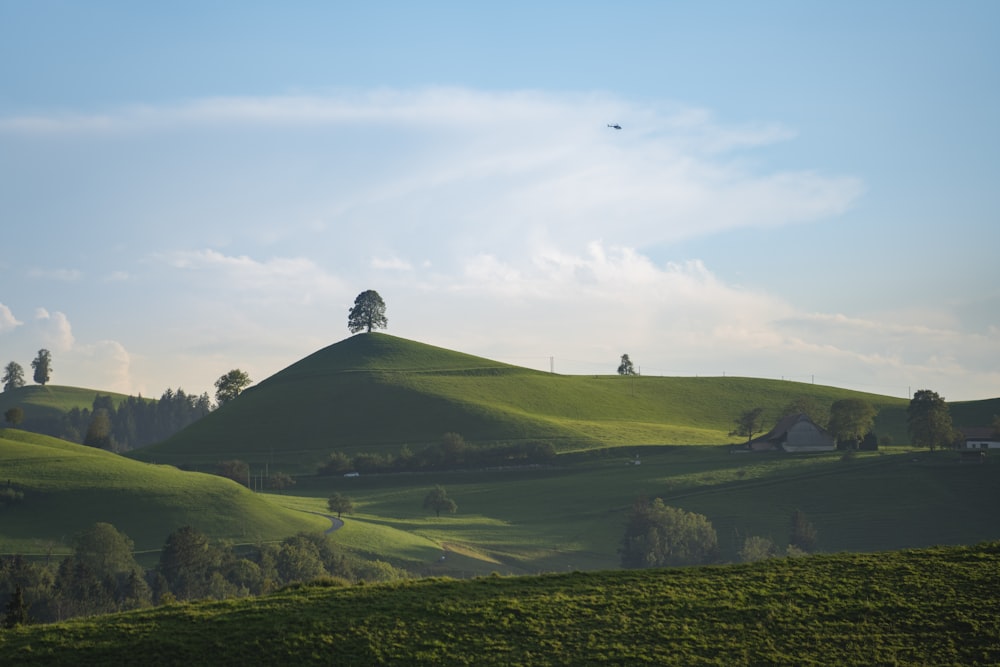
x=794 y=433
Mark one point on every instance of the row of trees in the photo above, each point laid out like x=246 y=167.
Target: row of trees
x=134 y=422
x=451 y=453
x=102 y=576
x=658 y=535
x=41 y=365
x=851 y=421
x=436 y=500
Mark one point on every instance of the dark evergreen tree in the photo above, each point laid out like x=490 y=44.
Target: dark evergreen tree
x=42 y=365
x=17 y=611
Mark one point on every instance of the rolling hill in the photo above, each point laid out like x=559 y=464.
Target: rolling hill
x=68 y=487
x=51 y=401
x=375 y=391
x=934 y=606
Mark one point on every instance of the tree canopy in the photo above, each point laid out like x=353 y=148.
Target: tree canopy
x=626 y=367
x=437 y=499
x=340 y=503
x=231 y=385
x=13 y=376
x=658 y=535
x=749 y=423
x=929 y=420
x=368 y=313
x=851 y=419
x=42 y=364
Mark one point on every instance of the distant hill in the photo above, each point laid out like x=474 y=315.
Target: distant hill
x=68 y=487
x=928 y=607
x=50 y=401
x=375 y=392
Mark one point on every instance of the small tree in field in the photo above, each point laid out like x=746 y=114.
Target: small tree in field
x=929 y=420
x=851 y=419
x=340 y=503
x=803 y=533
x=368 y=313
x=437 y=499
x=749 y=423
x=14 y=416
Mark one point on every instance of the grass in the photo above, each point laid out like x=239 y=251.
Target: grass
x=571 y=516
x=934 y=606
x=68 y=487
x=49 y=401
x=374 y=392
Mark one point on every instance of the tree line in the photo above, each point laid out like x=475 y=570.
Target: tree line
x=851 y=421
x=659 y=535
x=134 y=422
x=101 y=574
x=452 y=453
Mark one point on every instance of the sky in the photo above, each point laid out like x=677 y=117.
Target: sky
x=799 y=190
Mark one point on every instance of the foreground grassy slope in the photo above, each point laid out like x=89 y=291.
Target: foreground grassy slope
x=376 y=391
x=915 y=607
x=68 y=487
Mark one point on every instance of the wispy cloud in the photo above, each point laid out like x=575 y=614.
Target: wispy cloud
x=7 y=320
x=64 y=275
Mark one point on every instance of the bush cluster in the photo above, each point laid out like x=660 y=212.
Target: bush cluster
x=450 y=454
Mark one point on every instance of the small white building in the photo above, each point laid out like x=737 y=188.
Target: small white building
x=979 y=437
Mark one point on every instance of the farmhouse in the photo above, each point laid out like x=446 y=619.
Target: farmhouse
x=794 y=433
x=979 y=437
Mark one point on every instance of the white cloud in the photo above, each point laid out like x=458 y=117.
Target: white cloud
x=297 y=279
x=7 y=320
x=53 y=330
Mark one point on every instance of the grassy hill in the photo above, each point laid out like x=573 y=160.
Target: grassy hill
x=68 y=487
x=375 y=391
x=51 y=401
x=935 y=606
x=571 y=516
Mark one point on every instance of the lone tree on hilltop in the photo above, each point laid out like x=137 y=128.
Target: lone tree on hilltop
x=626 y=367
x=929 y=420
x=230 y=385
x=437 y=499
x=368 y=313
x=43 y=366
x=13 y=376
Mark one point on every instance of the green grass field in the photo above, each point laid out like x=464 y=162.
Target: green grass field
x=68 y=487
x=935 y=606
x=374 y=392
x=572 y=516
x=49 y=401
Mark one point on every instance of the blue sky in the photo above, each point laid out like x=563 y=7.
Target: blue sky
x=800 y=190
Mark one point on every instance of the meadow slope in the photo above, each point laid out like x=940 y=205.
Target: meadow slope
x=68 y=487
x=935 y=606
x=376 y=392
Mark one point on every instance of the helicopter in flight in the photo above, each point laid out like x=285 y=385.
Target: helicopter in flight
x=615 y=126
